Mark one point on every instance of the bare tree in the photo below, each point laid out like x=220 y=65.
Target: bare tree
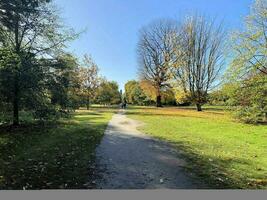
x=156 y=54
x=90 y=80
x=200 y=57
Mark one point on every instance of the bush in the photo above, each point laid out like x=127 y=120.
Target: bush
x=251 y=98
x=250 y=115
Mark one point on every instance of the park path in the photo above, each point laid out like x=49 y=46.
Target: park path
x=129 y=159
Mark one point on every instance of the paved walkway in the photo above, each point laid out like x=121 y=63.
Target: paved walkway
x=129 y=159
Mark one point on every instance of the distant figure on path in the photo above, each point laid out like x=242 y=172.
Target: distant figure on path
x=123 y=105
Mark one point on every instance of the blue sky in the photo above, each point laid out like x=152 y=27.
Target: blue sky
x=112 y=26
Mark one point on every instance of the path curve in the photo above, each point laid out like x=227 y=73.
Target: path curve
x=129 y=159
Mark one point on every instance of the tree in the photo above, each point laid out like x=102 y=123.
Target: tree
x=200 y=58
x=251 y=99
x=248 y=68
x=149 y=91
x=31 y=32
x=90 y=80
x=250 y=45
x=8 y=60
x=63 y=84
x=129 y=87
x=150 y=94
x=156 y=54
x=108 y=93
x=134 y=93
x=218 y=97
x=181 y=97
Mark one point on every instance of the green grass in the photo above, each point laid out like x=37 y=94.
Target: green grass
x=52 y=156
x=218 y=150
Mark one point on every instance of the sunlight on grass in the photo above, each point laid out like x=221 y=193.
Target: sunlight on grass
x=223 y=152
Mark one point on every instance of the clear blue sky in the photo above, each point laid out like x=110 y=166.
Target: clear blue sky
x=112 y=26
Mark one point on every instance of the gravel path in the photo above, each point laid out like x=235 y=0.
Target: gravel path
x=129 y=159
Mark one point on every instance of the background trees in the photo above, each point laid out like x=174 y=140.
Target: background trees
x=189 y=57
x=134 y=93
x=178 y=63
x=108 y=93
x=190 y=53
x=144 y=93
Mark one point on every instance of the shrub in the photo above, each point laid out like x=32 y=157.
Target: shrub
x=251 y=98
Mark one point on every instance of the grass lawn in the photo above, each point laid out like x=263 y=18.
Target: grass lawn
x=222 y=152
x=52 y=156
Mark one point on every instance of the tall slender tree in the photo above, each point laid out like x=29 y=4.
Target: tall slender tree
x=90 y=79
x=200 y=57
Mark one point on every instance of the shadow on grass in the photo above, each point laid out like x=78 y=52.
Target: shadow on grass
x=53 y=156
x=213 y=170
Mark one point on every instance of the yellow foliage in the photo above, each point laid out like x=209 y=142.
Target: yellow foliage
x=148 y=89
x=180 y=96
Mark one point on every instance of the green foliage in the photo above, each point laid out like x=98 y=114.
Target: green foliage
x=251 y=98
x=140 y=93
x=218 y=97
x=35 y=73
x=89 y=79
x=250 y=44
x=134 y=93
x=44 y=85
x=108 y=93
x=168 y=97
x=248 y=70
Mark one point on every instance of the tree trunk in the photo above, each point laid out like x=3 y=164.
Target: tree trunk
x=16 y=104
x=16 y=84
x=199 y=107
x=88 y=103
x=158 y=101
